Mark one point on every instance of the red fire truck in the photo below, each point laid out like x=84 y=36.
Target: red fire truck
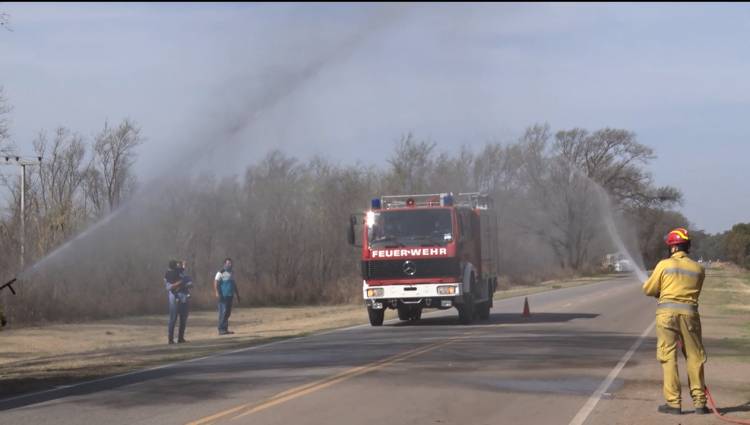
x=428 y=251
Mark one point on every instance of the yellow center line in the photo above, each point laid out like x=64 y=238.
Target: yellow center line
x=299 y=391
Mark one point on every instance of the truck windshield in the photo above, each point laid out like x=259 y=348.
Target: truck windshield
x=418 y=227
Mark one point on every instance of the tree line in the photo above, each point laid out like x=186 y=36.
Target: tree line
x=732 y=245
x=559 y=196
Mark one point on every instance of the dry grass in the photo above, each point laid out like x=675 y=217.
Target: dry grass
x=724 y=302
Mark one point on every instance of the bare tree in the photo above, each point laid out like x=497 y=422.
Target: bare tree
x=56 y=192
x=497 y=168
x=610 y=157
x=114 y=154
x=93 y=186
x=5 y=21
x=565 y=211
x=410 y=164
x=5 y=109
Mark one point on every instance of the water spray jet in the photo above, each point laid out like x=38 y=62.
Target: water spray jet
x=609 y=222
x=281 y=88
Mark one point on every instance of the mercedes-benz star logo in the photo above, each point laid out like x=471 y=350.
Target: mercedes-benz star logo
x=409 y=268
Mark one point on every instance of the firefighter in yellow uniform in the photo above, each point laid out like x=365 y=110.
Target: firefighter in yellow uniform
x=677 y=283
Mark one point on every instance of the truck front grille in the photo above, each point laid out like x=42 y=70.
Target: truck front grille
x=422 y=268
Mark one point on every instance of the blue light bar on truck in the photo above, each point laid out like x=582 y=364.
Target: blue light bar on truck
x=448 y=200
x=376 y=203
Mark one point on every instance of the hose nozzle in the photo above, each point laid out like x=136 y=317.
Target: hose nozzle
x=9 y=284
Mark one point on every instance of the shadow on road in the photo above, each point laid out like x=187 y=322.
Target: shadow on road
x=739 y=408
x=500 y=318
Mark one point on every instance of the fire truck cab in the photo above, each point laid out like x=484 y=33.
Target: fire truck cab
x=428 y=251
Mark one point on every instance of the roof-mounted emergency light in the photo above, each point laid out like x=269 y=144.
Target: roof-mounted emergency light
x=375 y=203
x=448 y=200
x=410 y=202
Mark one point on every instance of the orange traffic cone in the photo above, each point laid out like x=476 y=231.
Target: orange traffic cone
x=526 y=312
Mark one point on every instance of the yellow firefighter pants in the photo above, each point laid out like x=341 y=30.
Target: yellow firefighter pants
x=671 y=326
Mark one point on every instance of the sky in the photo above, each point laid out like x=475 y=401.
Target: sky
x=223 y=84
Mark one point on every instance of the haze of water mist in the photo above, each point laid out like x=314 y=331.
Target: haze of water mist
x=243 y=109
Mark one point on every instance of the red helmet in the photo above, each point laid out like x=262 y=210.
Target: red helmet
x=678 y=236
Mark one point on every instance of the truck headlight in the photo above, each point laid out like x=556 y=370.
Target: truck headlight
x=375 y=292
x=446 y=290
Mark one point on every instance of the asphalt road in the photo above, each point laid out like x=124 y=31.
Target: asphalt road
x=551 y=368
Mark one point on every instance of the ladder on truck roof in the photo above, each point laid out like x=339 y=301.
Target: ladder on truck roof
x=464 y=199
x=477 y=200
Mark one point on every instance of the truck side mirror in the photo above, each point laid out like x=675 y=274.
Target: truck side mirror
x=351 y=234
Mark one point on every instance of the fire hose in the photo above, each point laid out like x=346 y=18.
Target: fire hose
x=9 y=285
x=712 y=405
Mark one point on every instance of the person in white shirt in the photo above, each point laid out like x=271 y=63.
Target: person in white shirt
x=225 y=288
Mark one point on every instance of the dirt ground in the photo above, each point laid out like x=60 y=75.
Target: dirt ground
x=43 y=357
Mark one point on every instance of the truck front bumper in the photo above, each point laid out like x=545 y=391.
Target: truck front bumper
x=437 y=295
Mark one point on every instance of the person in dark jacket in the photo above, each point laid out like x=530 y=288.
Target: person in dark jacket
x=178 y=286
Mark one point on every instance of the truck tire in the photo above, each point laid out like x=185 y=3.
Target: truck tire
x=404 y=312
x=416 y=314
x=376 y=316
x=483 y=308
x=466 y=310
x=493 y=288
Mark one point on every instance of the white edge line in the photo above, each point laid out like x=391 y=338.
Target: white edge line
x=587 y=408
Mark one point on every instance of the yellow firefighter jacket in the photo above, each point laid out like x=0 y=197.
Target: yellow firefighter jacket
x=677 y=279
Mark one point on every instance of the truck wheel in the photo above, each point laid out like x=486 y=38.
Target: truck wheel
x=493 y=288
x=416 y=314
x=404 y=312
x=466 y=310
x=376 y=316
x=483 y=309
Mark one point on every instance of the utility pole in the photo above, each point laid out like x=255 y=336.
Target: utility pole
x=23 y=162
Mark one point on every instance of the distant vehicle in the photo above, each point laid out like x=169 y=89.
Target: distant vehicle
x=617 y=263
x=428 y=251
x=624 y=266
